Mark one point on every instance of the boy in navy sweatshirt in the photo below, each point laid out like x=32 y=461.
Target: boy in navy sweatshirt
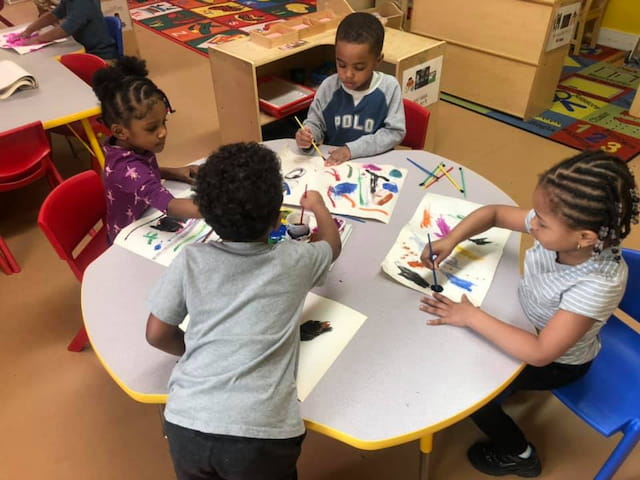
x=358 y=110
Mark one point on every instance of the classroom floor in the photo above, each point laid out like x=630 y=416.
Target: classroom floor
x=64 y=418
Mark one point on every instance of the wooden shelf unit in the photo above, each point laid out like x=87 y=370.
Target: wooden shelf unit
x=236 y=66
x=496 y=50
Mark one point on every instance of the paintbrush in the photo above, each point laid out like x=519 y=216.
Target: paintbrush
x=312 y=142
x=435 y=287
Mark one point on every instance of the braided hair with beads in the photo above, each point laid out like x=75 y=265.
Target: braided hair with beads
x=125 y=92
x=594 y=191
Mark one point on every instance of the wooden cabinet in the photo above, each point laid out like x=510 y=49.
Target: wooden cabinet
x=498 y=51
x=236 y=66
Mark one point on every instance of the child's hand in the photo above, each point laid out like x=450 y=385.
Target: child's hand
x=191 y=173
x=338 y=155
x=441 y=249
x=312 y=201
x=448 y=311
x=304 y=137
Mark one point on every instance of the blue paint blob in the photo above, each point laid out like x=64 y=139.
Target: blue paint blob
x=459 y=282
x=285 y=188
x=345 y=188
x=395 y=173
x=392 y=187
x=157 y=246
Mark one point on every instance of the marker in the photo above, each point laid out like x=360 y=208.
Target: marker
x=434 y=180
x=312 y=142
x=464 y=185
x=434 y=286
x=428 y=172
x=453 y=182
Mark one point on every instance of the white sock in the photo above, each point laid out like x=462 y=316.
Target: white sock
x=526 y=453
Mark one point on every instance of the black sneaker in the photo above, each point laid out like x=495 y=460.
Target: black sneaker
x=484 y=456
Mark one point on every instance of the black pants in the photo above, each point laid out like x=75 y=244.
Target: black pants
x=500 y=427
x=198 y=456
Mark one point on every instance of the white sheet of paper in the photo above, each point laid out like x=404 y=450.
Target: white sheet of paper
x=471 y=266
x=29 y=48
x=364 y=190
x=317 y=355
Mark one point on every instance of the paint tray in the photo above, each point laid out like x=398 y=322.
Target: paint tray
x=279 y=97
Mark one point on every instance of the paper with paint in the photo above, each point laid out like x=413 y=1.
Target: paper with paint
x=471 y=266
x=317 y=356
x=364 y=190
x=12 y=40
x=161 y=238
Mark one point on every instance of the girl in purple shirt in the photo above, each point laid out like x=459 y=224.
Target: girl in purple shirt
x=135 y=110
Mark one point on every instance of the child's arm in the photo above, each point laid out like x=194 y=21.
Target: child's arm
x=560 y=334
x=478 y=221
x=186 y=174
x=391 y=133
x=314 y=125
x=327 y=228
x=183 y=208
x=43 y=21
x=165 y=337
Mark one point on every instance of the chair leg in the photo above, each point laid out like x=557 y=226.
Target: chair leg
x=53 y=176
x=7 y=261
x=631 y=436
x=79 y=341
x=6 y=22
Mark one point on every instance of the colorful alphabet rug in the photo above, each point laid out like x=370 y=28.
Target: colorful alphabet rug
x=199 y=24
x=590 y=108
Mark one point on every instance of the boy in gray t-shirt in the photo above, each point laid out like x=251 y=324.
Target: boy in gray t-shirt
x=232 y=410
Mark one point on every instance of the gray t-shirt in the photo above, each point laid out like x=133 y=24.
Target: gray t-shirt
x=237 y=375
x=593 y=288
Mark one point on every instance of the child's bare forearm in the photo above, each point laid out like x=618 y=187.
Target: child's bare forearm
x=45 y=20
x=328 y=230
x=183 y=208
x=162 y=336
x=55 y=33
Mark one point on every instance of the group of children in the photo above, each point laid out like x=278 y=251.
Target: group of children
x=232 y=410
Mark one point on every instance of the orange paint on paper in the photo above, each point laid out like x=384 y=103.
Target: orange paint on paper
x=415 y=264
x=426 y=219
x=470 y=255
x=384 y=199
x=353 y=204
x=374 y=210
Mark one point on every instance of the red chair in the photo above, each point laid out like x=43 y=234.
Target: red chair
x=3 y=19
x=84 y=65
x=8 y=264
x=69 y=217
x=25 y=156
x=417 y=122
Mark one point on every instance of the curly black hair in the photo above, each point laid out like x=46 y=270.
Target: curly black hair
x=239 y=191
x=594 y=191
x=125 y=92
x=362 y=28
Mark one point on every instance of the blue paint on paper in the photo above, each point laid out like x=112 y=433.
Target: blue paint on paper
x=285 y=188
x=459 y=282
x=345 y=188
x=395 y=173
x=157 y=246
x=392 y=187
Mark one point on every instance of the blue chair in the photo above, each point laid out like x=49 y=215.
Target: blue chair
x=608 y=396
x=114 y=26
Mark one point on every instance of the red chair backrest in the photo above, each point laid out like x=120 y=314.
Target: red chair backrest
x=22 y=150
x=84 y=65
x=417 y=122
x=69 y=214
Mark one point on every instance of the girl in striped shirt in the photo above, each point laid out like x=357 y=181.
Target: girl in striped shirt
x=574 y=278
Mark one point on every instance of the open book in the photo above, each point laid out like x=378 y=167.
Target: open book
x=13 y=77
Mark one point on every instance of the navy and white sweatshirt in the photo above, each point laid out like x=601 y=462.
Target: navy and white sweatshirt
x=369 y=122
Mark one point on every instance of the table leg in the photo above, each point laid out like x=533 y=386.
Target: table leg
x=93 y=141
x=635 y=106
x=426 y=444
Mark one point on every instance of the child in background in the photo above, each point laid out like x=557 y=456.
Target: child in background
x=135 y=110
x=82 y=19
x=574 y=278
x=357 y=109
x=232 y=411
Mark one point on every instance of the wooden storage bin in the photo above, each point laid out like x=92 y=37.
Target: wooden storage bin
x=328 y=18
x=306 y=26
x=389 y=13
x=278 y=34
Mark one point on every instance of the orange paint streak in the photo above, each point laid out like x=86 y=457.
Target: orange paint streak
x=353 y=204
x=415 y=264
x=374 y=210
x=426 y=219
x=385 y=199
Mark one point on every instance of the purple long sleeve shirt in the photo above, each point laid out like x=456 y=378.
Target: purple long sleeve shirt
x=132 y=184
